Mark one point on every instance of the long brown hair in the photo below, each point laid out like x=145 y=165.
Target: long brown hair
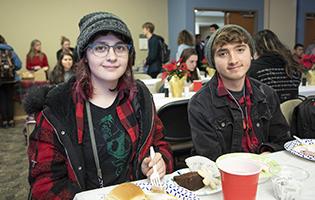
x=184 y=57
x=268 y=42
x=31 y=53
x=185 y=37
x=83 y=88
x=57 y=75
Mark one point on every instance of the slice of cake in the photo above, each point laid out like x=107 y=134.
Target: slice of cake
x=191 y=181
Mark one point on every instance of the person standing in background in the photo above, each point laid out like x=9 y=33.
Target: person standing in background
x=275 y=66
x=9 y=63
x=185 y=40
x=65 y=46
x=153 y=60
x=213 y=28
x=200 y=50
x=298 y=52
x=36 y=59
x=64 y=69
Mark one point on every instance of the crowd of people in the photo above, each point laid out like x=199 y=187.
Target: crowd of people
x=96 y=123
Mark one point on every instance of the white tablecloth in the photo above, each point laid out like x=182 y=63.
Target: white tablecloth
x=264 y=189
x=160 y=99
x=307 y=91
x=150 y=83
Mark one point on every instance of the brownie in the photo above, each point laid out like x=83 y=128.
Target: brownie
x=191 y=181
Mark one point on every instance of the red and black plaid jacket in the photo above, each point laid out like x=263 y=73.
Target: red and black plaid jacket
x=57 y=168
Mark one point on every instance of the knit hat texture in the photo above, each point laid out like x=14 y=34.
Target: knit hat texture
x=96 y=22
x=209 y=45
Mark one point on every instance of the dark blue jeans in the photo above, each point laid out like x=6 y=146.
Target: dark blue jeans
x=6 y=101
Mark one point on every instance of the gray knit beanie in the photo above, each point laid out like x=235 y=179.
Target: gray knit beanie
x=209 y=45
x=97 y=22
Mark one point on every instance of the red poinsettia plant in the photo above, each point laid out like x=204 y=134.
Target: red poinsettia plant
x=308 y=62
x=175 y=68
x=204 y=63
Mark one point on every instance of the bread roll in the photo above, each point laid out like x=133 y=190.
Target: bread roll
x=126 y=191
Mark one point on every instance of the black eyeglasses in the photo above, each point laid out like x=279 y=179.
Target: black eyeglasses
x=101 y=50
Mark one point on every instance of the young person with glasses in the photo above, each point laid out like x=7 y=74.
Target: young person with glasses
x=96 y=130
x=232 y=112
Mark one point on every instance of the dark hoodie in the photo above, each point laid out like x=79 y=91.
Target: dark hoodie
x=270 y=69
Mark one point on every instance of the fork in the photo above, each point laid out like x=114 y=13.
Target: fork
x=155 y=177
x=301 y=142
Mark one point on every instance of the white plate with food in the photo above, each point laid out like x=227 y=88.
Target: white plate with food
x=307 y=150
x=172 y=191
x=265 y=162
x=205 y=189
x=143 y=190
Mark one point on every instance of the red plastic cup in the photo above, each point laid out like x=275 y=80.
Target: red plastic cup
x=239 y=177
x=197 y=85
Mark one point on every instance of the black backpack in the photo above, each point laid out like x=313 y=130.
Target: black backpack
x=165 y=52
x=6 y=66
x=303 y=119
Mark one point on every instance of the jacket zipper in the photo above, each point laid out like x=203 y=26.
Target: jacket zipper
x=64 y=149
x=137 y=156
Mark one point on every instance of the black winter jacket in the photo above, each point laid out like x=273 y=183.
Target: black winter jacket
x=216 y=126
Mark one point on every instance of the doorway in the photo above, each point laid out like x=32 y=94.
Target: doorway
x=309 y=31
x=204 y=18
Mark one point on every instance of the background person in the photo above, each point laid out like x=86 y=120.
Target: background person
x=199 y=47
x=9 y=59
x=298 y=52
x=190 y=57
x=36 y=58
x=101 y=104
x=275 y=66
x=63 y=70
x=232 y=112
x=185 y=40
x=65 y=47
x=213 y=28
x=153 y=60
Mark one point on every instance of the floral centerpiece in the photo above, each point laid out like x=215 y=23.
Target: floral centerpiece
x=174 y=68
x=176 y=73
x=308 y=62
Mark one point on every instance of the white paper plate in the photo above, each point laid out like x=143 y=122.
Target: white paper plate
x=296 y=148
x=201 y=192
x=170 y=188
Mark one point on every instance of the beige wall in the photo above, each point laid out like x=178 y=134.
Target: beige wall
x=47 y=20
x=280 y=17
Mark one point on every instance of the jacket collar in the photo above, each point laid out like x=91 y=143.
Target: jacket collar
x=218 y=91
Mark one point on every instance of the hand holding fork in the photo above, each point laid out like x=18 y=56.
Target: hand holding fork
x=155 y=176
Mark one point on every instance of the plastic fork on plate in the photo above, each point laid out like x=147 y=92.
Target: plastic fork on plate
x=301 y=142
x=155 y=177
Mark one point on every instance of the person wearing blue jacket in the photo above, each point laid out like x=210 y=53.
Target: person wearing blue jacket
x=8 y=58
